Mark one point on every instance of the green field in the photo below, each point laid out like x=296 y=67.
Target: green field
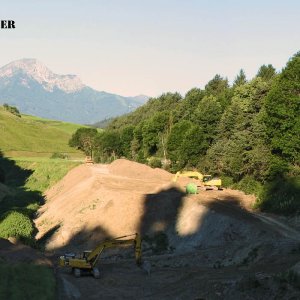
x=30 y=136
x=66 y=127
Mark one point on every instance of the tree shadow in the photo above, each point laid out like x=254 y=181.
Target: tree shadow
x=231 y=207
x=13 y=175
x=160 y=210
x=14 y=197
x=83 y=239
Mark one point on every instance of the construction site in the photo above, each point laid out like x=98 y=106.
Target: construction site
x=208 y=245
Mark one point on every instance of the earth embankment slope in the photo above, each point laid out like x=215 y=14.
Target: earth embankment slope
x=214 y=243
x=98 y=201
x=102 y=200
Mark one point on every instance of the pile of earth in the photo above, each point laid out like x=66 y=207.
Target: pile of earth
x=94 y=202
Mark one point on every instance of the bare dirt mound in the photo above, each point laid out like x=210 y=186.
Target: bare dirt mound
x=131 y=169
x=96 y=201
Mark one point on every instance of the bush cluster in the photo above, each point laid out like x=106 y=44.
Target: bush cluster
x=12 y=109
x=16 y=224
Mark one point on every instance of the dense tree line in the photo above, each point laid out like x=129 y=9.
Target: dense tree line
x=247 y=133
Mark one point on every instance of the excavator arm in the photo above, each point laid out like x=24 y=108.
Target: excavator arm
x=94 y=255
x=190 y=174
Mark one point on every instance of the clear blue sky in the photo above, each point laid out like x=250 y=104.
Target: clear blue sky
x=132 y=47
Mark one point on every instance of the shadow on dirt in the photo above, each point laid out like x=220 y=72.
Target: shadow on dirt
x=172 y=222
x=231 y=207
x=167 y=214
x=47 y=235
x=84 y=239
x=160 y=210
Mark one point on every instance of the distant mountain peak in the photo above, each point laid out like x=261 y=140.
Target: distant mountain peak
x=34 y=89
x=40 y=73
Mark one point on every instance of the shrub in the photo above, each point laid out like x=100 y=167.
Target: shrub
x=140 y=157
x=154 y=162
x=249 y=186
x=281 y=196
x=16 y=224
x=227 y=181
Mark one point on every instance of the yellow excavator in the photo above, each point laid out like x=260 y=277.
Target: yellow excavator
x=206 y=180
x=86 y=263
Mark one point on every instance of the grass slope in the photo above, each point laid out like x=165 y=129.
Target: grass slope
x=22 y=193
x=68 y=128
x=45 y=173
x=33 y=136
x=20 y=196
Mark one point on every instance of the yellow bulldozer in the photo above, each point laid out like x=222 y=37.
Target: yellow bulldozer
x=86 y=263
x=207 y=180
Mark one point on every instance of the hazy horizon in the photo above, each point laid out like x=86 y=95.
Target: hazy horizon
x=141 y=47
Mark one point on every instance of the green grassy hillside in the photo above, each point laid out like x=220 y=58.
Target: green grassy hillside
x=30 y=136
x=68 y=128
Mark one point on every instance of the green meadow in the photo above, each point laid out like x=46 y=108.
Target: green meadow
x=29 y=136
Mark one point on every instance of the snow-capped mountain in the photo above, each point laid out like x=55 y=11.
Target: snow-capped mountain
x=39 y=72
x=36 y=90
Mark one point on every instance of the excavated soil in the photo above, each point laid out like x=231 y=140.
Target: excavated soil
x=205 y=246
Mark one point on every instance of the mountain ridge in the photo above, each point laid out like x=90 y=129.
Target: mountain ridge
x=39 y=72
